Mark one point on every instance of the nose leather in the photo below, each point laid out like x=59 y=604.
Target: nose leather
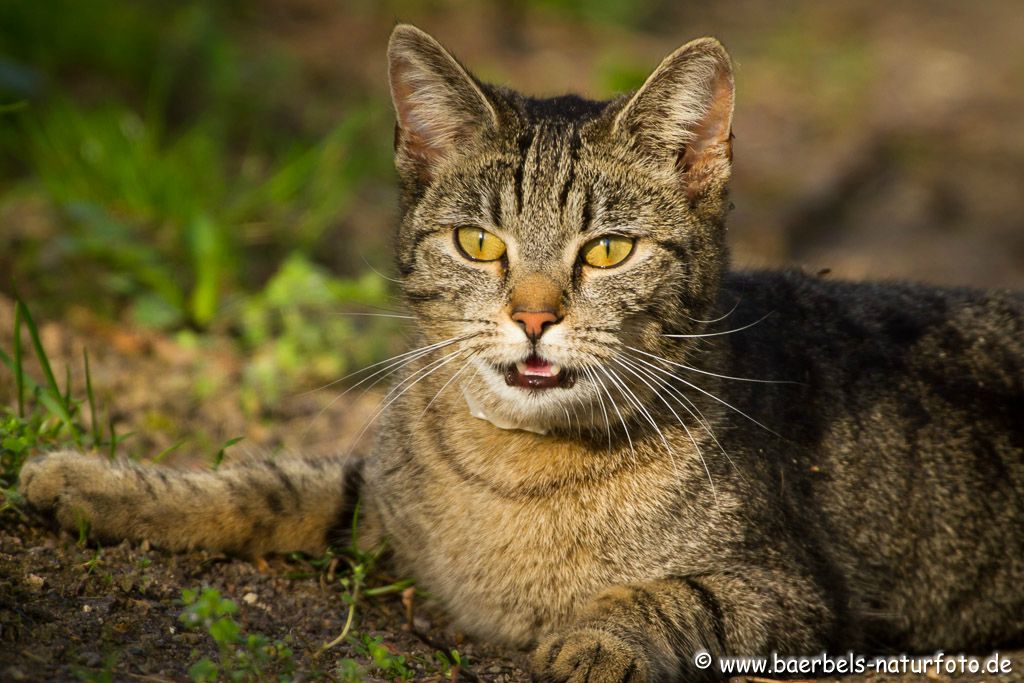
x=534 y=322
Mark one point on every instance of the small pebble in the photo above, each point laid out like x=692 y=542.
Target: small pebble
x=90 y=659
x=250 y=598
x=35 y=582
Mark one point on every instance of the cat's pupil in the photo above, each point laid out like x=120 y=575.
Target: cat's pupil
x=607 y=247
x=480 y=241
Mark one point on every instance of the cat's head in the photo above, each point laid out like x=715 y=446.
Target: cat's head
x=549 y=239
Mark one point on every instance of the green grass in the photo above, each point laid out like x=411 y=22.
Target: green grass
x=46 y=416
x=154 y=168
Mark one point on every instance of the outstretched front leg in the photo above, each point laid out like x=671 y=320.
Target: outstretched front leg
x=654 y=631
x=251 y=509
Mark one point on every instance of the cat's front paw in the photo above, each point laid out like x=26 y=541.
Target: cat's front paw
x=589 y=655
x=58 y=484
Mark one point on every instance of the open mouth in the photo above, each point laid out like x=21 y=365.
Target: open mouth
x=536 y=373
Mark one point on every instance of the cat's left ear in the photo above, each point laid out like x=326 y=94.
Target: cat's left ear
x=440 y=107
x=681 y=118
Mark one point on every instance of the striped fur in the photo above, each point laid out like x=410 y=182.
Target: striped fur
x=867 y=493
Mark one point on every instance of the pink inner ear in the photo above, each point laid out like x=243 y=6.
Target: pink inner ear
x=438 y=107
x=417 y=136
x=710 y=149
x=714 y=129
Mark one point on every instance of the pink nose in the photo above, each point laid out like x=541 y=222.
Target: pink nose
x=534 y=322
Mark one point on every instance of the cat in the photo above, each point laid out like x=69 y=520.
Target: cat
x=609 y=447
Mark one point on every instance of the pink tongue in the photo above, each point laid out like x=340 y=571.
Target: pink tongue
x=536 y=366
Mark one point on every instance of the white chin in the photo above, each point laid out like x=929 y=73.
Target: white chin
x=489 y=398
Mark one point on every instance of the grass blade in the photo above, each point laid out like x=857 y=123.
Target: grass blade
x=9 y=362
x=44 y=361
x=18 y=369
x=218 y=458
x=167 y=451
x=113 y=434
x=67 y=386
x=97 y=430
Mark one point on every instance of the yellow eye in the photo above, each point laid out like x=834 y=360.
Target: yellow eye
x=477 y=244
x=607 y=252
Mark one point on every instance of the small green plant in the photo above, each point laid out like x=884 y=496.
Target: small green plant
x=448 y=664
x=218 y=457
x=241 y=657
x=385 y=663
x=46 y=416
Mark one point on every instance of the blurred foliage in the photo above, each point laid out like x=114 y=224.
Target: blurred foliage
x=617 y=12
x=165 y=164
x=291 y=329
x=153 y=167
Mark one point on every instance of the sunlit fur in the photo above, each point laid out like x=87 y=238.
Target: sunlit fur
x=747 y=462
x=550 y=176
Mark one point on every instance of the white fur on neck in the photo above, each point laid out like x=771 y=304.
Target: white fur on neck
x=478 y=411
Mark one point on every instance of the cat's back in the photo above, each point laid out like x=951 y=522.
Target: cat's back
x=853 y=336
x=903 y=430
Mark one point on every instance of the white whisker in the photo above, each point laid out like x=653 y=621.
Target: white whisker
x=422 y=349
x=443 y=387
x=604 y=410
x=617 y=411
x=713 y=374
x=709 y=394
x=689 y=434
x=718 y=334
x=719 y=318
x=423 y=373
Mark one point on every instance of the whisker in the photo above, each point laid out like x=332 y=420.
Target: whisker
x=720 y=318
x=668 y=447
x=370 y=266
x=684 y=401
x=617 y=412
x=689 y=434
x=373 y=315
x=443 y=387
x=718 y=334
x=393 y=367
x=709 y=394
x=425 y=349
x=423 y=373
x=632 y=398
x=604 y=410
x=713 y=374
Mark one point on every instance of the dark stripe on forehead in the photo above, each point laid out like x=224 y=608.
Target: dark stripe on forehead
x=494 y=206
x=570 y=176
x=588 y=209
x=525 y=143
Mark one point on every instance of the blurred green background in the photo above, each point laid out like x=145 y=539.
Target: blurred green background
x=223 y=169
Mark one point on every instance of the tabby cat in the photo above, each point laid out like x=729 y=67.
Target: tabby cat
x=609 y=447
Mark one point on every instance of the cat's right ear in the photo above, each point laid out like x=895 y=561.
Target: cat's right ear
x=439 y=105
